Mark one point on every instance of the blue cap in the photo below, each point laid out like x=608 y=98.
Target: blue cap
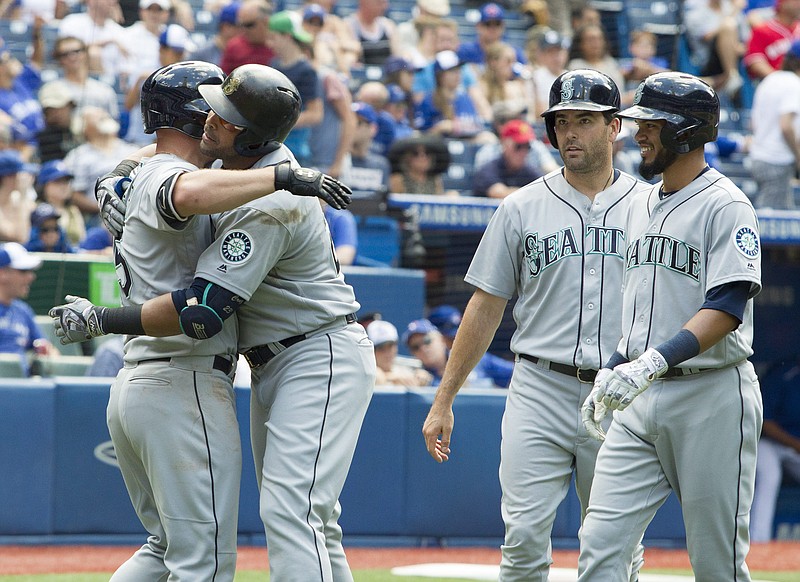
x=446 y=60
x=17 y=257
x=794 y=49
x=492 y=12
x=53 y=170
x=43 y=212
x=396 y=93
x=314 y=11
x=365 y=111
x=417 y=326
x=176 y=37
x=10 y=162
x=395 y=64
x=446 y=318
x=229 y=13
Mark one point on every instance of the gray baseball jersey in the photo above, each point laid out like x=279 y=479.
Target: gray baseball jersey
x=308 y=401
x=695 y=434
x=171 y=412
x=562 y=254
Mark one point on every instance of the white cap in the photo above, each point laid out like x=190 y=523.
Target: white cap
x=381 y=332
x=177 y=38
x=15 y=256
x=438 y=8
x=145 y=4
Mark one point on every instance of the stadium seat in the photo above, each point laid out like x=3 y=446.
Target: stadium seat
x=378 y=241
x=61 y=366
x=11 y=366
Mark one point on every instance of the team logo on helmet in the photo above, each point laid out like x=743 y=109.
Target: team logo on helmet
x=237 y=246
x=746 y=240
x=567 y=90
x=231 y=85
x=638 y=95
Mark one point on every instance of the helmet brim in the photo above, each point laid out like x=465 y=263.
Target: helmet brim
x=579 y=106
x=221 y=105
x=638 y=112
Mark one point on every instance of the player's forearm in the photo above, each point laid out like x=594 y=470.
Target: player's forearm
x=478 y=326
x=159 y=317
x=212 y=191
x=709 y=326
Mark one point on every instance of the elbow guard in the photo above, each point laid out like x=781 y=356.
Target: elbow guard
x=204 y=307
x=199 y=321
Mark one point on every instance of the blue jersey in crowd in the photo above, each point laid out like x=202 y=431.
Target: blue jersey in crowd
x=18 y=330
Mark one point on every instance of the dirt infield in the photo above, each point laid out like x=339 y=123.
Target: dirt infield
x=784 y=556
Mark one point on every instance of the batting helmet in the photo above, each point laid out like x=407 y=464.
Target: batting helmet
x=688 y=105
x=170 y=97
x=259 y=99
x=581 y=89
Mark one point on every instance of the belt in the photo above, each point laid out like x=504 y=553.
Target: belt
x=260 y=355
x=584 y=375
x=678 y=372
x=221 y=363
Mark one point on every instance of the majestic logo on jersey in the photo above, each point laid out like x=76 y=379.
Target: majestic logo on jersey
x=231 y=85
x=236 y=247
x=746 y=240
x=542 y=252
x=665 y=251
x=567 y=90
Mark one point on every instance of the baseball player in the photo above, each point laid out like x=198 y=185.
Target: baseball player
x=687 y=401
x=171 y=412
x=312 y=367
x=558 y=244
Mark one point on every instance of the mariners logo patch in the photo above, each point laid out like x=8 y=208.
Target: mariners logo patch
x=231 y=85
x=567 y=90
x=638 y=95
x=237 y=246
x=746 y=240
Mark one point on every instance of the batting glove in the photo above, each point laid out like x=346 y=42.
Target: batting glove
x=632 y=378
x=307 y=182
x=109 y=191
x=593 y=410
x=78 y=320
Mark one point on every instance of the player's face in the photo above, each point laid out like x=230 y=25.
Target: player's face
x=218 y=137
x=655 y=157
x=585 y=140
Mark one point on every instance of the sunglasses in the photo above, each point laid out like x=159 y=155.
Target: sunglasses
x=250 y=24
x=48 y=229
x=418 y=153
x=493 y=23
x=63 y=54
x=522 y=146
x=416 y=346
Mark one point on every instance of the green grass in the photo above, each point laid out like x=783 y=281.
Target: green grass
x=360 y=576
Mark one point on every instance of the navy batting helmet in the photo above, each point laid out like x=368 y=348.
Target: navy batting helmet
x=170 y=97
x=259 y=99
x=582 y=89
x=688 y=105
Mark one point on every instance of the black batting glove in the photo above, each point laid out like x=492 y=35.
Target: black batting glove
x=308 y=182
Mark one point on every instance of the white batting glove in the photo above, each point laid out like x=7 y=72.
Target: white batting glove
x=629 y=380
x=77 y=321
x=593 y=410
x=110 y=191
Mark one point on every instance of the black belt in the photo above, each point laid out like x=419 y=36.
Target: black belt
x=260 y=355
x=582 y=374
x=678 y=372
x=221 y=363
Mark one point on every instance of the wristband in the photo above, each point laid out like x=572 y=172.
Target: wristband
x=126 y=320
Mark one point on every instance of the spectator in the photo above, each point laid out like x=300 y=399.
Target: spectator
x=368 y=172
x=101 y=151
x=97 y=241
x=398 y=72
x=643 y=62
x=250 y=45
x=18 y=87
x=447 y=318
x=583 y=15
x=142 y=40
x=289 y=42
x=539 y=157
x=70 y=54
x=448 y=110
x=775 y=149
x=778 y=448
x=376 y=95
x=173 y=44
x=19 y=333
x=384 y=337
x=499 y=81
x=560 y=15
x=770 y=41
x=551 y=62
x=713 y=30
x=54 y=185
x=46 y=234
x=227 y=28
x=426 y=342
x=376 y=33
x=101 y=34
x=394 y=117
x=589 y=50
x=424 y=51
x=509 y=171
x=15 y=204
x=344 y=233
x=418 y=163
x=56 y=138
x=334 y=42
x=490 y=29
x=107 y=358
x=424 y=10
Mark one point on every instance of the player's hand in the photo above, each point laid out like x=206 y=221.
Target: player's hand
x=437 y=430
x=77 y=321
x=308 y=182
x=593 y=410
x=629 y=380
x=110 y=191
